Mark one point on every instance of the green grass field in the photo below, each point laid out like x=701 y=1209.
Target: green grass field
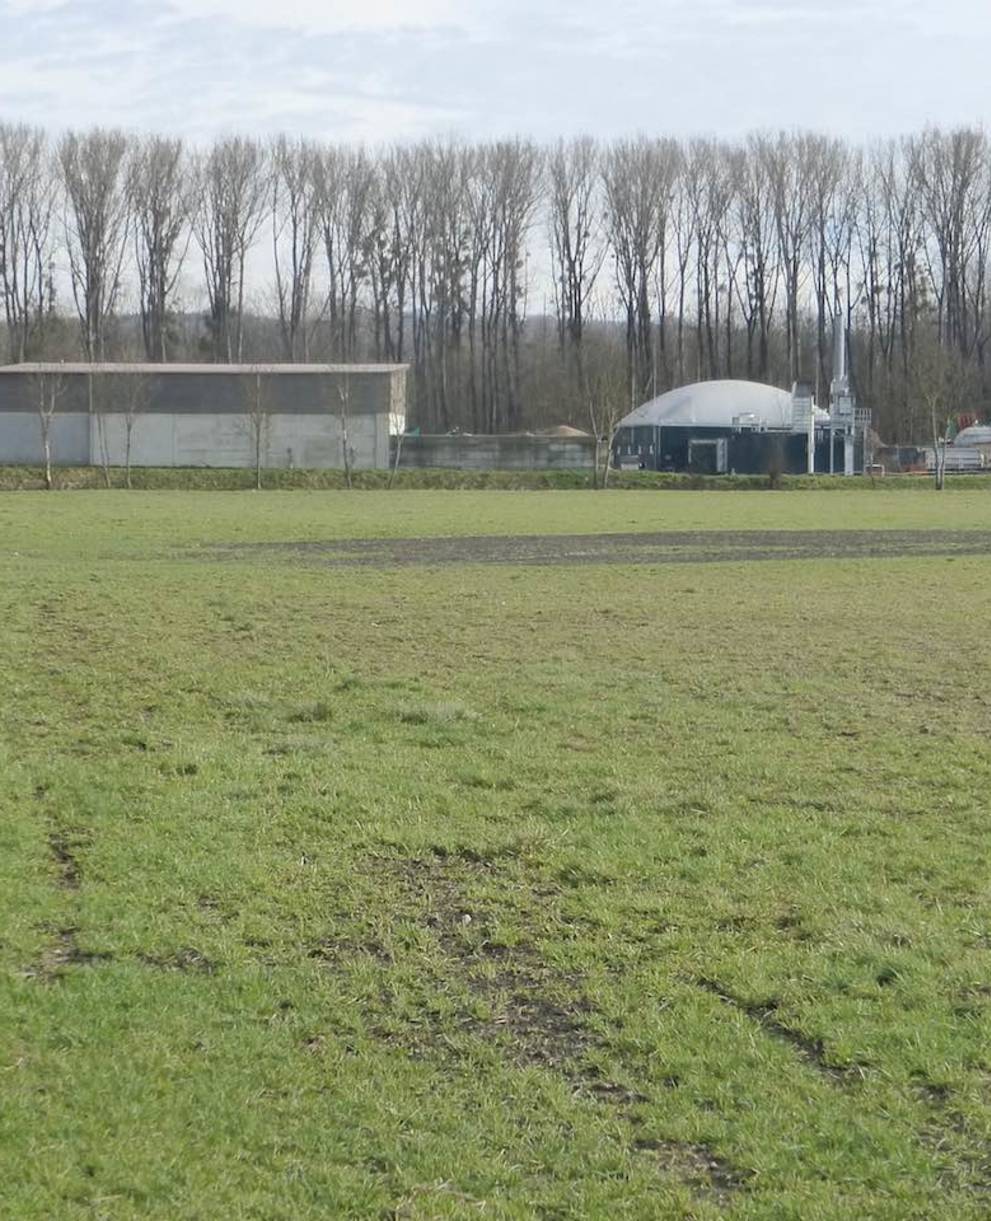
x=455 y=889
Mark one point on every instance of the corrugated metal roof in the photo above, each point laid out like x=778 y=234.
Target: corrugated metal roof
x=55 y=366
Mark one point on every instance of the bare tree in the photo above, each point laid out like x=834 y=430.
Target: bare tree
x=391 y=256
x=605 y=399
x=135 y=399
x=889 y=283
x=101 y=394
x=344 y=423
x=232 y=192
x=707 y=184
x=161 y=202
x=96 y=223
x=638 y=178
x=830 y=237
x=683 y=218
x=789 y=164
x=952 y=177
x=27 y=197
x=756 y=283
x=345 y=197
x=941 y=380
x=577 y=246
x=49 y=390
x=258 y=412
x=119 y=400
x=441 y=221
x=295 y=223
x=397 y=459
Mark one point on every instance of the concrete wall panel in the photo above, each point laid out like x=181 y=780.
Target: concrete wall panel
x=304 y=441
x=152 y=440
x=20 y=439
x=212 y=440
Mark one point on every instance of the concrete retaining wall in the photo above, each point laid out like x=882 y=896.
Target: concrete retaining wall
x=514 y=452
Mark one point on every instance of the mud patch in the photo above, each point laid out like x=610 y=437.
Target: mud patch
x=62 y=852
x=186 y=959
x=810 y=1051
x=965 y=1161
x=64 y=952
x=667 y=547
x=698 y=1167
x=536 y=1014
x=340 y=951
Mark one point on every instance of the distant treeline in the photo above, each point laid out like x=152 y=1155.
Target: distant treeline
x=641 y=263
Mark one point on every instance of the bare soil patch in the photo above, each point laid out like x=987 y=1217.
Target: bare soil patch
x=538 y=1015
x=64 y=951
x=185 y=959
x=667 y=547
x=63 y=855
x=811 y=1051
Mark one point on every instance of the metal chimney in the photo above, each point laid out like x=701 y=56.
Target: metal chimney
x=841 y=381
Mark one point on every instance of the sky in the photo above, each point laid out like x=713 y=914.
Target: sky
x=379 y=71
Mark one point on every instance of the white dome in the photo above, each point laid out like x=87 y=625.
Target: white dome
x=715 y=405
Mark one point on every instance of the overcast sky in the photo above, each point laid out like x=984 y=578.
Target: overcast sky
x=379 y=70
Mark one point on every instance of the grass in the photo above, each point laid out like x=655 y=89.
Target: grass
x=628 y=891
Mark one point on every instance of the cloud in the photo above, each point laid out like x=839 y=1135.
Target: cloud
x=385 y=70
x=26 y=8
x=327 y=16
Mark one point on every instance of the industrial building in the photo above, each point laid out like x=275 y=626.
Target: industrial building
x=202 y=415
x=725 y=427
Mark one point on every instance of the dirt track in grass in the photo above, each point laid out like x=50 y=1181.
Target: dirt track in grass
x=668 y=547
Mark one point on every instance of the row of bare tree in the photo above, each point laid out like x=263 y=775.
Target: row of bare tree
x=695 y=259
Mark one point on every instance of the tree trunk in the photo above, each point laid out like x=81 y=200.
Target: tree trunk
x=939 y=451
x=397 y=459
x=47 y=446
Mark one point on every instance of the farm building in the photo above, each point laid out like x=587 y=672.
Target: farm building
x=744 y=427
x=202 y=415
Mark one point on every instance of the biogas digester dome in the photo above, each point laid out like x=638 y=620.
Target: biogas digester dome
x=721 y=404
x=976 y=434
x=712 y=427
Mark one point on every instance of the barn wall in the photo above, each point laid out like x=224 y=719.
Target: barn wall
x=309 y=442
